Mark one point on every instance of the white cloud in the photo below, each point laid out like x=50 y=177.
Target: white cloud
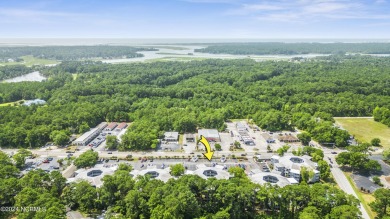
x=212 y=1
x=261 y=7
x=327 y=7
x=309 y=10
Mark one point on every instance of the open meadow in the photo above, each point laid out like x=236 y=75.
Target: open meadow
x=365 y=129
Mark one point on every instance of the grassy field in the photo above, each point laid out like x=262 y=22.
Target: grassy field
x=365 y=129
x=365 y=199
x=30 y=61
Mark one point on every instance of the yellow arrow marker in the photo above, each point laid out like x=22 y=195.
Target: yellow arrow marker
x=209 y=153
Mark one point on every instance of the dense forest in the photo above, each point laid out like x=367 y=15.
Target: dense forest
x=382 y=114
x=184 y=96
x=67 y=53
x=189 y=196
x=296 y=48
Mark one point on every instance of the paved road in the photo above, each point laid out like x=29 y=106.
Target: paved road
x=344 y=184
x=75 y=215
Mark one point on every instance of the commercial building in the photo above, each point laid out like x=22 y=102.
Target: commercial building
x=268 y=138
x=207 y=172
x=121 y=126
x=290 y=166
x=272 y=178
x=288 y=138
x=244 y=136
x=154 y=173
x=201 y=170
x=190 y=137
x=110 y=126
x=87 y=137
x=241 y=127
x=171 y=136
x=209 y=134
x=93 y=175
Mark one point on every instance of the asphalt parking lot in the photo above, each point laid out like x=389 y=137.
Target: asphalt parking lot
x=39 y=164
x=385 y=167
x=364 y=182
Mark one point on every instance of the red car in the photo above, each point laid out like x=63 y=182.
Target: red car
x=46 y=161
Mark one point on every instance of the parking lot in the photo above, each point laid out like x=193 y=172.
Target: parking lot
x=260 y=143
x=45 y=163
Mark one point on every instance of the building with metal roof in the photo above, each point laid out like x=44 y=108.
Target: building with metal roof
x=87 y=137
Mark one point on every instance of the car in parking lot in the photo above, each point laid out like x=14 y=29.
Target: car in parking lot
x=109 y=152
x=333 y=152
x=49 y=158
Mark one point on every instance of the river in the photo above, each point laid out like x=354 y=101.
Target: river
x=186 y=52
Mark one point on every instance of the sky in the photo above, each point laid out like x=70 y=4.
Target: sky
x=260 y=19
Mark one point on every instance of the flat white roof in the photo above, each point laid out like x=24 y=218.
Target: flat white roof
x=163 y=174
x=281 y=180
x=208 y=133
x=82 y=174
x=292 y=181
x=201 y=168
x=171 y=135
x=295 y=171
x=86 y=135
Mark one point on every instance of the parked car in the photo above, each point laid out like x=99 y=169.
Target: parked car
x=333 y=152
x=109 y=152
x=46 y=161
x=49 y=158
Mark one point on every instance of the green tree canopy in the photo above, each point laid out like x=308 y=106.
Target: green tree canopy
x=86 y=159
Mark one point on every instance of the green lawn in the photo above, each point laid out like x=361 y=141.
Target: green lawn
x=365 y=129
x=30 y=61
